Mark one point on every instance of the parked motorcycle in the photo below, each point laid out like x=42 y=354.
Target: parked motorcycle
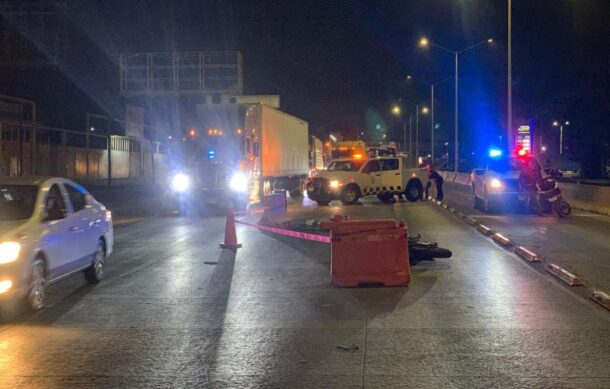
x=425 y=251
x=549 y=195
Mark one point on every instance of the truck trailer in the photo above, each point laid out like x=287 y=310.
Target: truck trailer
x=276 y=151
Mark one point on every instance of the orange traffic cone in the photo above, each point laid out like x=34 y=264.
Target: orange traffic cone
x=230 y=233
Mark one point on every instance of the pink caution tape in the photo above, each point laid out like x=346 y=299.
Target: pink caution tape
x=294 y=234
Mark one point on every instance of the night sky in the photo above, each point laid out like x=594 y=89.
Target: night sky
x=341 y=64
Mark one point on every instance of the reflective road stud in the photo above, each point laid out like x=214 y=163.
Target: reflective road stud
x=563 y=275
x=601 y=298
x=526 y=254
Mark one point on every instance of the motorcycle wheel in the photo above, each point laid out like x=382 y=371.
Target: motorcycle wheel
x=563 y=208
x=546 y=206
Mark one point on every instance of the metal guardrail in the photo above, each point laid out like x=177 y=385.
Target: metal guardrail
x=28 y=149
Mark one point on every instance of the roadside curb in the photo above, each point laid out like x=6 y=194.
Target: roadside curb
x=484 y=230
x=501 y=239
x=526 y=254
x=601 y=298
x=563 y=275
x=568 y=278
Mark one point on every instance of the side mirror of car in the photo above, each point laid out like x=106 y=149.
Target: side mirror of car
x=54 y=214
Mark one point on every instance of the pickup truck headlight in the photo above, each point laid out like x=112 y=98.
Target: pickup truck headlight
x=239 y=182
x=9 y=252
x=495 y=183
x=334 y=184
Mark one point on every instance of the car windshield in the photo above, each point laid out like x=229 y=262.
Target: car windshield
x=503 y=165
x=345 y=166
x=17 y=201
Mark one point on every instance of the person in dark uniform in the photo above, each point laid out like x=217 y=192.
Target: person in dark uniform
x=529 y=176
x=438 y=181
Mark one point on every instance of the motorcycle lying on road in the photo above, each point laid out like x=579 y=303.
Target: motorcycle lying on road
x=425 y=251
x=549 y=195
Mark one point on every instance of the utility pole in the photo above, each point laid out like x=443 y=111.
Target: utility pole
x=510 y=82
x=432 y=125
x=416 y=134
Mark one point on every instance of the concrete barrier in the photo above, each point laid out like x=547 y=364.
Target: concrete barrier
x=587 y=197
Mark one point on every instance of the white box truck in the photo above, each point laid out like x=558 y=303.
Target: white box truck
x=276 y=151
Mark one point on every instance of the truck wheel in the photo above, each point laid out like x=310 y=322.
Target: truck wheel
x=350 y=195
x=414 y=191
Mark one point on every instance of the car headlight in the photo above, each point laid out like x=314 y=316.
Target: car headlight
x=181 y=182
x=9 y=252
x=239 y=182
x=334 y=184
x=495 y=183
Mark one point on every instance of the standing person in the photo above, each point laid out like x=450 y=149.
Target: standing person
x=438 y=181
x=529 y=176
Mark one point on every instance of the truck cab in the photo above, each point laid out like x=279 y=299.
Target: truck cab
x=350 y=179
x=497 y=182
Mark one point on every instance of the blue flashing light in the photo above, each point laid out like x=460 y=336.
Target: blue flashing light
x=211 y=154
x=495 y=153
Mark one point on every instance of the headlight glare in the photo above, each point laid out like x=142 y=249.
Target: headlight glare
x=239 y=182
x=9 y=252
x=181 y=182
x=495 y=183
x=334 y=184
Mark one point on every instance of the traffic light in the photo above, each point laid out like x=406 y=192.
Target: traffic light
x=211 y=154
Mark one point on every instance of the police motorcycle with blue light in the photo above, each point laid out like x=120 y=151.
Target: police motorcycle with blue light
x=516 y=179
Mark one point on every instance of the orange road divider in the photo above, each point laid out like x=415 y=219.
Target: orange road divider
x=563 y=275
x=601 y=298
x=499 y=238
x=282 y=231
x=484 y=230
x=526 y=254
x=230 y=233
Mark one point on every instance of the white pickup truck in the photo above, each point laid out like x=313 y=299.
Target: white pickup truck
x=350 y=179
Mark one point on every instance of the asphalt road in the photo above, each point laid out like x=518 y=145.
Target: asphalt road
x=579 y=243
x=175 y=311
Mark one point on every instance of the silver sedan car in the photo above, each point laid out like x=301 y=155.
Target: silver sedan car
x=50 y=228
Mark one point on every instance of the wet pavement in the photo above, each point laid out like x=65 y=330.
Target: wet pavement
x=579 y=243
x=175 y=311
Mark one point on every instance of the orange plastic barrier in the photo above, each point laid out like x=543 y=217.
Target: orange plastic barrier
x=368 y=252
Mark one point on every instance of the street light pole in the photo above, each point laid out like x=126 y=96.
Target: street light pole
x=456 y=143
x=424 y=42
x=509 y=85
x=404 y=134
x=416 y=134
x=431 y=85
x=410 y=138
x=432 y=124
